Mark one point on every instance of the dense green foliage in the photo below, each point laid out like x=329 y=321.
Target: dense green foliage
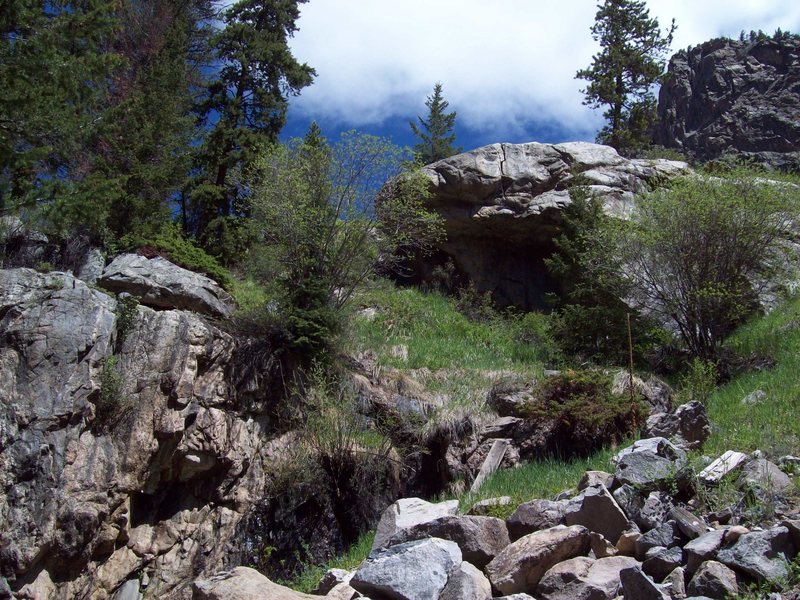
x=436 y=132
x=698 y=252
x=315 y=214
x=622 y=75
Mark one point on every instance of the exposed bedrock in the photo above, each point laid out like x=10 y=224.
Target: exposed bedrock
x=502 y=207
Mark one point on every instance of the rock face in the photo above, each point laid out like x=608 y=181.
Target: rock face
x=119 y=458
x=502 y=207
x=734 y=97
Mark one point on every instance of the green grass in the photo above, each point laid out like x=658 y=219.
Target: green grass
x=353 y=556
x=772 y=425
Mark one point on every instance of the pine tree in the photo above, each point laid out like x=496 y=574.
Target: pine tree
x=248 y=99
x=622 y=75
x=436 y=132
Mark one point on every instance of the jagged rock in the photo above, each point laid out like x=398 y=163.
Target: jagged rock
x=688 y=427
x=734 y=97
x=720 y=467
x=243 y=583
x=407 y=512
x=91 y=269
x=522 y=564
x=660 y=562
x=480 y=538
x=601 y=547
x=416 y=570
x=467 y=583
x=534 y=516
x=713 y=580
x=665 y=535
x=689 y=525
x=654 y=511
x=583 y=578
x=651 y=464
x=761 y=554
x=630 y=501
x=590 y=478
x=703 y=548
x=599 y=512
x=162 y=284
x=638 y=586
x=501 y=206
x=515 y=597
x=485 y=507
x=765 y=477
x=626 y=544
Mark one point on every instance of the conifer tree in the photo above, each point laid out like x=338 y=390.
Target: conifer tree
x=435 y=132
x=622 y=75
x=248 y=99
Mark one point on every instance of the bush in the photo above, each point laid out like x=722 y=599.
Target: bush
x=699 y=252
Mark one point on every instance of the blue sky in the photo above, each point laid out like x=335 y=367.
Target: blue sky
x=507 y=66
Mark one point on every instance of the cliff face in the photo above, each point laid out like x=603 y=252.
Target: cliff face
x=732 y=97
x=119 y=458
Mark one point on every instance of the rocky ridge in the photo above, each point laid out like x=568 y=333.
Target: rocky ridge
x=738 y=98
x=501 y=206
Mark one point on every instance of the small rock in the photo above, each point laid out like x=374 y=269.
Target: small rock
x=677 y=583
x=714 y=580
x=638 y=586
x=703 y=548
x=626 y=544
x=484 y=508
x=665 y=535
x=689 y=525
x=660 y=562
x=330 y=580
x=755 y=397
x=467 y=583
x=601 y=547
x=509 y=400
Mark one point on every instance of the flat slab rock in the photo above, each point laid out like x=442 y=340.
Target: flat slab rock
x=243 y=583
x=162 y=284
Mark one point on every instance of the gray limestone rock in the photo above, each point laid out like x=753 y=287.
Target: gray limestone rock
x=599 y=512
x=583 y=578
x=638 y=586
x=416 y=570
x=660 y=562
x=502 y=204
x=688 y=427
x=162 y=284
x=703 y=548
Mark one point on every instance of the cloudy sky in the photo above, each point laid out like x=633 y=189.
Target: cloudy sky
x=507 y=66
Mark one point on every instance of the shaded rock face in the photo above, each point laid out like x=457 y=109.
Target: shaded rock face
x=502 y=207
x=731 y=97
x=100 y=487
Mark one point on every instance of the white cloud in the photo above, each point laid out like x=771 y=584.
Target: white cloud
x=504 y=64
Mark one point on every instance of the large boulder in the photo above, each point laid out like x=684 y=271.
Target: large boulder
x=480 y=538
x=467 y=583
x=408 y=512
x=416 y=570
x=536 y=515
x=599 y=512
x=734 y=97
x=502 y=207
x=764 y=555
x=688 y=427
x=651 y=464
x=161 y=284
x=520 y=567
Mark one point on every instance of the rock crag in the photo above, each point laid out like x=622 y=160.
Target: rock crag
x=737 y=98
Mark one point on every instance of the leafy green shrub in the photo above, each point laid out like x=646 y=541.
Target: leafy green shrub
x=700 y=381
x=586 y=411
x=126 y=311
x=111 y=405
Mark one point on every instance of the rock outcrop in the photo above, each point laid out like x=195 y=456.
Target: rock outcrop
x=737 y=98
x=120 y=459
x=502 y=207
